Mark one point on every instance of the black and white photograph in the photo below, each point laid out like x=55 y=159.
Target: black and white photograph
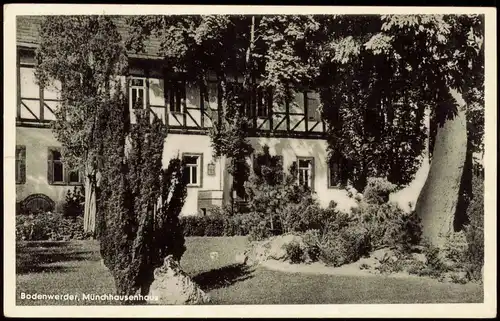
x=313 y=160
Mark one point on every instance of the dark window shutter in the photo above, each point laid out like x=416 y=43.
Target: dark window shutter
x=312 y=174
x=50 y=168
x=22 y=164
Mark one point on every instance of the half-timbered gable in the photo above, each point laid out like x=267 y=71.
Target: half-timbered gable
x=293 y=129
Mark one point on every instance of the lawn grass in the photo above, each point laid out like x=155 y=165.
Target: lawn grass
x=75 y=268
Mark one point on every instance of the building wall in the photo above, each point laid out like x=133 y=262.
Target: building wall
x=37 y=141
x=291 y=148
x=211 y=186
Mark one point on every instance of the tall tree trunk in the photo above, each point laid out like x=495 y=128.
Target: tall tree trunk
x=438 y=199
x=227 y=179
x=90 y=207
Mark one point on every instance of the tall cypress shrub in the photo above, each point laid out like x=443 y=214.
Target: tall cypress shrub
x=140 y=202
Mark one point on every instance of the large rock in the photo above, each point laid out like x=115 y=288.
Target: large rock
x=171 y=285
x=273 y=248
x=384 y=254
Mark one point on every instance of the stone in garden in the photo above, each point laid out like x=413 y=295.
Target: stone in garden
x=383 y=254
x=172 y=286
x=214 y=255
x=241 y=258
x=272 y=249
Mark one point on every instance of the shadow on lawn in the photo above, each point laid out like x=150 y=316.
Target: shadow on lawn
x=223 y=277
x=32 y=259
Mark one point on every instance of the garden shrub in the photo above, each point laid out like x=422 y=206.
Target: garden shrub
x=257 y=225
x=140 y=201
x=474 y=231
x=233 y=225
x=74 y=202
x=214 y=226
x=294 y=252
x=388 y=225
x=345 y=246
x=455 y=247
x=416 y=267
x=219 y=222
x=276 y=205
x=377 y=190
x=193 y=225
x=202 y=225
x=390 y=266
x=312 y=241
x=434 y=267
x=232 y=222
x=49 y=226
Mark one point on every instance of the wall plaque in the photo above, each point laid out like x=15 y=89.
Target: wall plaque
x=211 y=169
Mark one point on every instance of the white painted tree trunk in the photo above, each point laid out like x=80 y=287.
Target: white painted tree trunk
x=438 y=199
x=227 y=180
x=89 y=216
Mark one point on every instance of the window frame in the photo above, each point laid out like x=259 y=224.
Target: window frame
x=41 y=99
x=59 y=161
x=311 y=116
x=338 y=184
x=20 y=161
x=177 y=105
x=79 y=181
x=262 y=102
x=131 y=87
x=310 y=160
x=199 y=170
x=65 y=171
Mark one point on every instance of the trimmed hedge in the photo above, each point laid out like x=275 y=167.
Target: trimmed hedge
x=49 y=226
x=213 y=225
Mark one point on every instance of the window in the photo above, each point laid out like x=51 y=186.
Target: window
x=57 y=167
x=57 y=173
x=305 y=171
x=20 y=164
x=263 y=102
x=236 y=93
x=177 y=96
x=312 y=101
x=193 y=169
x=333 y=174
x=334 y=171
x=36 y=103
x=137 y=94
x=74 y=177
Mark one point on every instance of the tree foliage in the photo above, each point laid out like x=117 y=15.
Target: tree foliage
x=140 y=203
x=386 y=74
x=83 y=53
x=383 y=70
